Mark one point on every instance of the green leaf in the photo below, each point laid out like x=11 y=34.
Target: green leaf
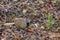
x=50 y=19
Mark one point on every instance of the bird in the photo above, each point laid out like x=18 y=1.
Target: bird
x=20 y=22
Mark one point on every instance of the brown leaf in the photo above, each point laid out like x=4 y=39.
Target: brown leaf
x=30 y=30
x=55 y=35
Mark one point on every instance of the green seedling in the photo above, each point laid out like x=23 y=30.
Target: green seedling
x=50 y=20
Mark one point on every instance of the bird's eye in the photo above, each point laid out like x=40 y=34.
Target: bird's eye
x=27 y=24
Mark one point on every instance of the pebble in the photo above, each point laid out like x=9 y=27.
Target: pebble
x=42 y=27
x=15 y=0
x=36 y=24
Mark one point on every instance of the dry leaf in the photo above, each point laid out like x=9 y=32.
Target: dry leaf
x=30 y=30
x=8 y=24
x=55 y=35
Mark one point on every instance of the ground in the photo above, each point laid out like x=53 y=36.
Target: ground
x=30 y=19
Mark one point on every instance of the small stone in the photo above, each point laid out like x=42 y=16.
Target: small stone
x=15 y=0
x=41 y=2
x=42 y=27
x=36 y=24
x=24 y=11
